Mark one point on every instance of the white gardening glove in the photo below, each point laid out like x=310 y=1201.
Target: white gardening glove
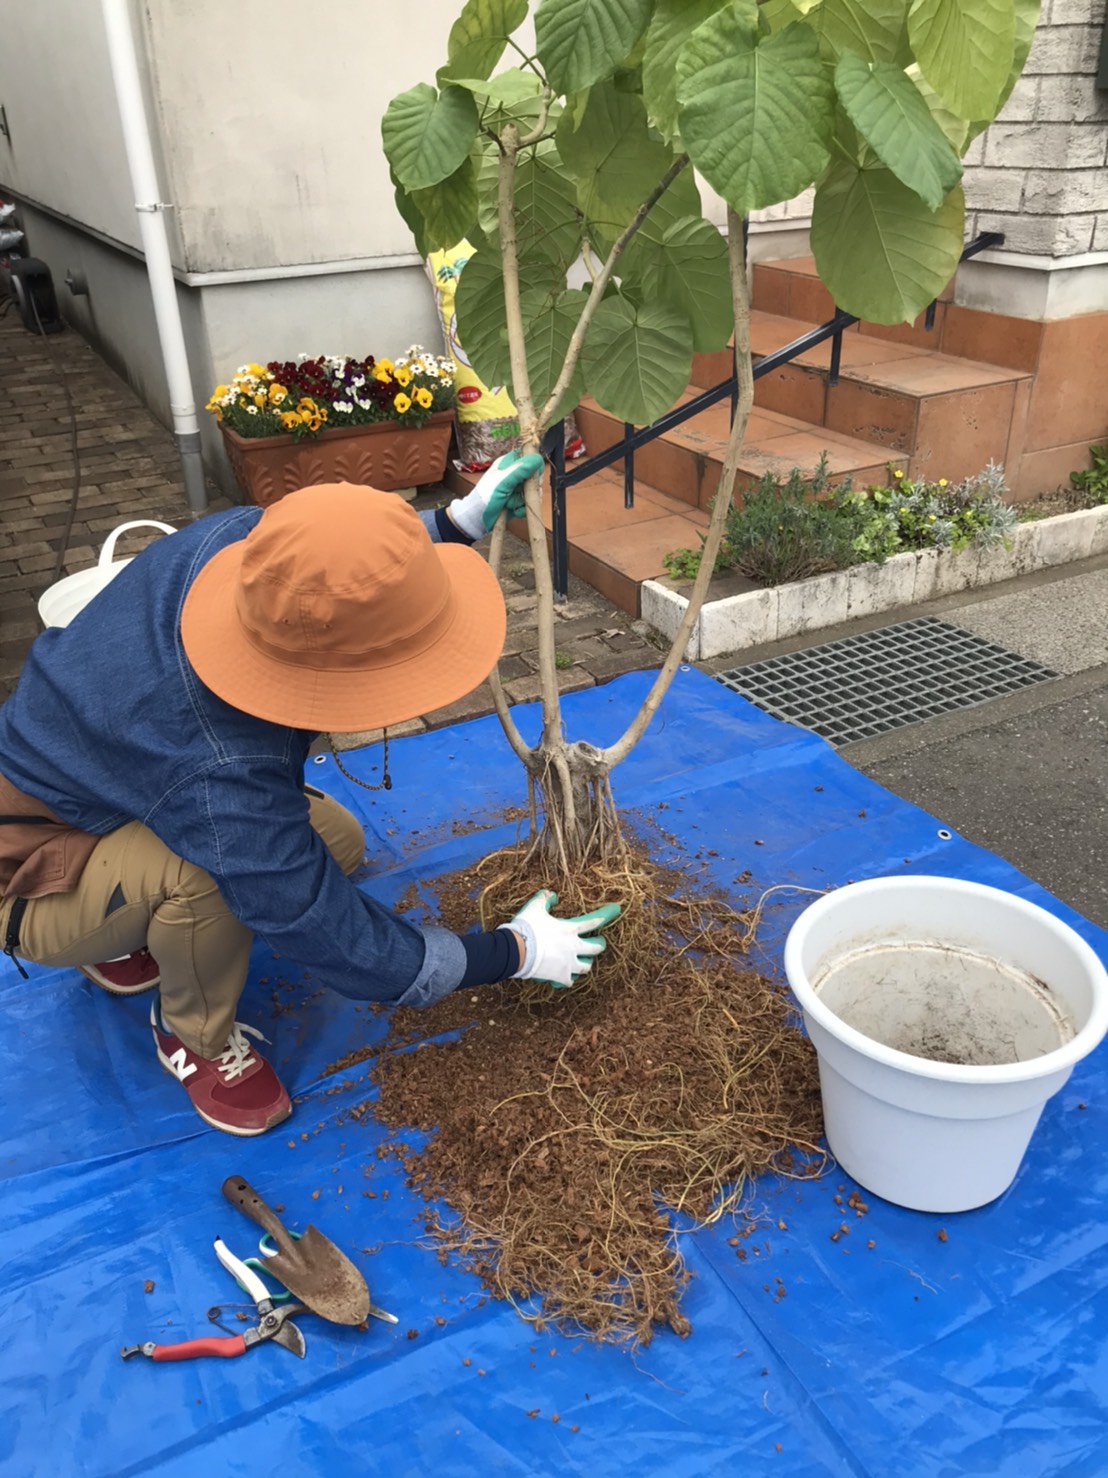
x=501 y=487
x=557 y=951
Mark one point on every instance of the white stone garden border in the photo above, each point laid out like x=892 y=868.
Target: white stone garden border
x=738 y=622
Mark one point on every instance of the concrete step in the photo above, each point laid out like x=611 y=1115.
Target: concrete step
x=946 y=414
x=687 y=461
x=791 y=288
x=615 y=548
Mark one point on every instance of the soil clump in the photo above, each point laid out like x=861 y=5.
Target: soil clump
x=566 y=1127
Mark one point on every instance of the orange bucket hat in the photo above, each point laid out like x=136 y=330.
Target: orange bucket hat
x=337 y=612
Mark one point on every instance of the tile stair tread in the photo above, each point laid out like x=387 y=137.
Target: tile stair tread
x=893 y=366
x=707 y=435
x=806 y=267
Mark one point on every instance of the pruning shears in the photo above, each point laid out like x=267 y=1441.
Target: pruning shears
x=268 y=1248
x=274 y=1322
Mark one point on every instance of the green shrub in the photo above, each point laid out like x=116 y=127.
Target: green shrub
x=945 y=515
x=1092 y=483
x=791 y=530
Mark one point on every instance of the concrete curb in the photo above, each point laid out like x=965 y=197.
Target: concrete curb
x=756 y=617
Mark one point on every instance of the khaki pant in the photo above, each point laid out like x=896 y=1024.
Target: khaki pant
x=134 y=891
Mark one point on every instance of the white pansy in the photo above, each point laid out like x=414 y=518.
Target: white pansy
x=344 y=405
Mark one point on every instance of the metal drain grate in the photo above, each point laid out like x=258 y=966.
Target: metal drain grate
x=865 y=685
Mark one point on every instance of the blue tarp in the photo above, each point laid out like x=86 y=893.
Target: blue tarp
x=981 y=1354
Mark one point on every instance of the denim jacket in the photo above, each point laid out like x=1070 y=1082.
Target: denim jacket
x=110 y=724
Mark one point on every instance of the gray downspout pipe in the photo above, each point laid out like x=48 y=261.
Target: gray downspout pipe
x=155 y=244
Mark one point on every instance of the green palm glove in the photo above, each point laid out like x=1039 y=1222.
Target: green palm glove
x=500 y=488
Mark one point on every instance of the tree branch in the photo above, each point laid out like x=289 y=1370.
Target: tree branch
x=530 y=436
x=536 y=133
x=596 y=293
x=499 y=698
x=740 y=296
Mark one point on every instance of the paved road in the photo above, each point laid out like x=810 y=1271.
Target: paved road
x=1027 y=775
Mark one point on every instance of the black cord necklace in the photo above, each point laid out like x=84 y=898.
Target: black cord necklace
x=385 y=783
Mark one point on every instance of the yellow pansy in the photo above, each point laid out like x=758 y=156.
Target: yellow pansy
x=322 y=413
x=257 y=369
x=424 y=397
x=306 y=406
x=402 y=403
x=313 y=423
x=290 y=419
x=403 y=378
x=385 y=365
x=218 y=412
x=277 y=393
x=220 y=391
x=259 y=400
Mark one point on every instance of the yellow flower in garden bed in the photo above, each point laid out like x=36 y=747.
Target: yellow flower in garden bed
x=304 y=397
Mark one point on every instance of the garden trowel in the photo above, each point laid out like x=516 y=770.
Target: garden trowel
x=311 y=1267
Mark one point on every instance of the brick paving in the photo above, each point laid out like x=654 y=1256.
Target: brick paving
x=129 y=470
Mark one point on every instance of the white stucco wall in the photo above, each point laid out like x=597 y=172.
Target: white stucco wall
x=65 y=149
x=271 y=119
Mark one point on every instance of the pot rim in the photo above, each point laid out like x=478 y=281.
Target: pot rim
x=1063 y=1058
x=286 y=438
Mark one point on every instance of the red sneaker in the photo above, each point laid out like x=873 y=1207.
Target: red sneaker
x=237 y=1091
x=129 y=975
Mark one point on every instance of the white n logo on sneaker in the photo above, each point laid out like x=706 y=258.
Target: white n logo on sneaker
x=180 y=1064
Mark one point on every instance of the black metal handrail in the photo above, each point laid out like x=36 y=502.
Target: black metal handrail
x=554 y=445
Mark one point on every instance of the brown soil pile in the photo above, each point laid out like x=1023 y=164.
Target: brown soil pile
x=565 y=1125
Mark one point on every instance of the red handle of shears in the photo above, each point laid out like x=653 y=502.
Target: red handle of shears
x=193 y=1349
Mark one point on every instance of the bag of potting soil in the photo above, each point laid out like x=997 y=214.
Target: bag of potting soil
x=487 y=423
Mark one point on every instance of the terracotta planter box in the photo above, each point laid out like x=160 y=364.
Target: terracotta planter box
x=380 y=455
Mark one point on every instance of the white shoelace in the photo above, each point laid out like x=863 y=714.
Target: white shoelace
x=235 y=1057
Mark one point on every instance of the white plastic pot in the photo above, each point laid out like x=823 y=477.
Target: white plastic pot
x=896 y=974
x=59 y=604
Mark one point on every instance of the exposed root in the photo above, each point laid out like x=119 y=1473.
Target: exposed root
x=567 y=1125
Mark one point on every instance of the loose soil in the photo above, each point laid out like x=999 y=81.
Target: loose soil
x=566 y=1127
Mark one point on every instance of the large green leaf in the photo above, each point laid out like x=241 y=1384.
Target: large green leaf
x=427 y=134
x=637 y=360
x=889 y=112
x=612 y=155
x=775 y=15
x=681 y=199
x=956 y=130
x=482 y=324
x=547 y=219
x=448 y=209
x=581 y=41
x=508 y=87
x=1026 y=18
x=486 y=165
x=479 y=35
x=691 y=273
x=756 y=119
x=965 y=50
x=674 y=22
x=549 y=320
x=410 y=215
x=881 y=253
x=871 y=28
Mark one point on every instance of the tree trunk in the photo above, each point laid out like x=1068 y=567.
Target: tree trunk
x=579 y=818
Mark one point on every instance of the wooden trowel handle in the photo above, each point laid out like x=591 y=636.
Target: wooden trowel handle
x=242 y=1194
